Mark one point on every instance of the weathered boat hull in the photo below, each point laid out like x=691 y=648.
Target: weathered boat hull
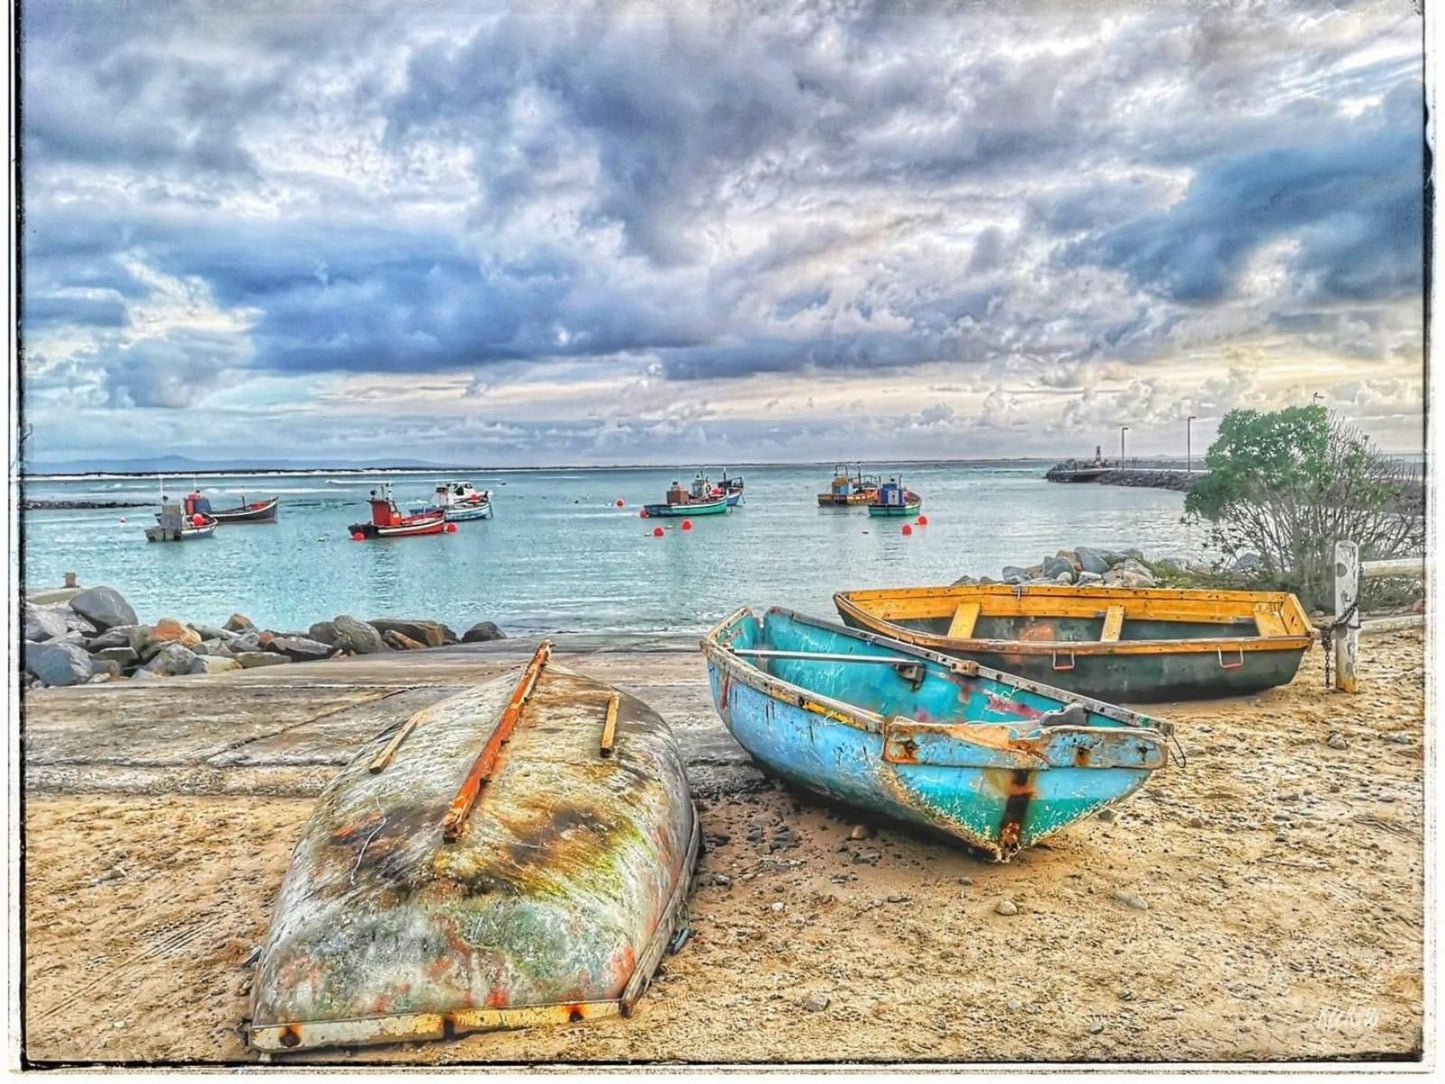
x=161 y=533
x=831 y=500
x=910 y=509
x=710 y=508
x=966 y=751
x=432 y=525
x=553 y=901
x=1165 y=644
x=465 y=513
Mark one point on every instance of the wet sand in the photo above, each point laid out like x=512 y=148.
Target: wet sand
x=1264 y=902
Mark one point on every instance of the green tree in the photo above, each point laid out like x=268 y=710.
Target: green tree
x=1287 y=485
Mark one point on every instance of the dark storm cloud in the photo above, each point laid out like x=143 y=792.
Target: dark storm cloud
x=846 y=187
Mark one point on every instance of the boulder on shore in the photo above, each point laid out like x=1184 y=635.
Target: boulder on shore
x=401 y=641
x=57 y=662
x=323 y=632
x=171 y=660
x=44 y=623
x=427 y=633
x=1091 y=561
x=122 y=655
x=299 y=648
x=481 y=632
x=1055 y=567
x=249 y=659
x=169 y=630
x=103 y=607
x=1014 y=574
x=238 y=623
x=355 y=636
x=213 y=664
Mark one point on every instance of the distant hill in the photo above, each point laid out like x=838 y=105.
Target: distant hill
x=179 y=464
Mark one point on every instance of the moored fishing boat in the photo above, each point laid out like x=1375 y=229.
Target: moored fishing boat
x=387 y=520
x=517 y=854
x=894 y=499
x=697 y=501
x=995 y=761
x=182 y=522
x=847 y=490
x=1119 y=644
x=254 y=512
x=459 y=502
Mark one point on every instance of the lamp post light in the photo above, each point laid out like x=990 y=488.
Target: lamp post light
x=1189 y=445
x=1122 y=430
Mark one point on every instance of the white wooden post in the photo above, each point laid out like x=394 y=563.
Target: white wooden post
x=1347 y=596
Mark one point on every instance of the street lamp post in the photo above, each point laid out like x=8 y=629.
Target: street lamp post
x=1189 y=445
x=1122 y=430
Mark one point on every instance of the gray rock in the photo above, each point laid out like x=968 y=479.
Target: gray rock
x=964 y=581
x=816 y=1003
x=77 y=624
x=146 y=675
x=246 y=641
x=1337 y=741
x=210 y=632
x=1132 y=900
x=1091 y=561
x=105 y=669
x=1054 y=566
x=1086 y=578
x=216 y=648
x=122 y=655
x=1014 y=574
x=103 y=607
x=213 y=664
x=1006 y=907
x=1065 y=577
x=426 y=633
x=984 y=580
x=299 y=648
x=323 y=632
x=250 y=659
x=172 y=659
x=481 y=632
x=356 y=636
x=58 y=662
x=239 y=623
x=44 y=622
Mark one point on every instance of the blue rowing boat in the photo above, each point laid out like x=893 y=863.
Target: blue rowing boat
x=995 y=761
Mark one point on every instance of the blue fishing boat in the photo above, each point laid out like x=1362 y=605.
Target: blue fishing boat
x=995 y=761
x=894 y=499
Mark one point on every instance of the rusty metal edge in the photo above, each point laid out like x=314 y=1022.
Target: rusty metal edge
x=652 y=955
x=408 y=1027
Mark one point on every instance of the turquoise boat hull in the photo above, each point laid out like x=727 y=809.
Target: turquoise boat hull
x=895 y=510
x=998 y=763
x=712 y=508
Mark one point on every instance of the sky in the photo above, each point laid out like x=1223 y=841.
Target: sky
x=565 y=233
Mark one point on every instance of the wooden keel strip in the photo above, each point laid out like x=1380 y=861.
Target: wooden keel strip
x=609 y=728
x=383 y=758
x=964 y=619
x=1113 y=624
x=481 y=770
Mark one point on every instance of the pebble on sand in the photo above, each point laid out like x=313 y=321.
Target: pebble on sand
x=817 y=1003
x=1006 y=907
x=1337 y=741
x=1132 y=899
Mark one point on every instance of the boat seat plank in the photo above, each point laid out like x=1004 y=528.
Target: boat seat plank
x=1268 y=621
x=1113 y=624
x=964 y=619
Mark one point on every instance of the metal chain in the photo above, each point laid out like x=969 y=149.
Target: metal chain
x=1327 y=639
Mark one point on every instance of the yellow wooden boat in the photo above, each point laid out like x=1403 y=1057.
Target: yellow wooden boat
x=1113 y=644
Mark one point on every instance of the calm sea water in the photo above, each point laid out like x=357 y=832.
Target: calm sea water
x=559 y=556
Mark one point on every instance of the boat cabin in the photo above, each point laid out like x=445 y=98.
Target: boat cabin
x=197 y=505
x=892 y=494
x=384 y=512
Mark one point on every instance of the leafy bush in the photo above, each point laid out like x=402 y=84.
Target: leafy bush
x=1289 y=484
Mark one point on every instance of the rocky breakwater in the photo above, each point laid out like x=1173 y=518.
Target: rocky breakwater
x=95 y=636
x=1085 y=567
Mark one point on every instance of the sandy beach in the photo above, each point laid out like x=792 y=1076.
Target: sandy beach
x=1264 y=902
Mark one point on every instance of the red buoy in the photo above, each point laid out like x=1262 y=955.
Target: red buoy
x=687 y=525
x=907 y=529
x=451 y=528
x=357 y=536
x=621 y=503
x=923 y=521
x=657 y=532
x=642 y=514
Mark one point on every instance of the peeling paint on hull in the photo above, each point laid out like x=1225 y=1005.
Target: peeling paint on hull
x=554 y=903
x=995 y=761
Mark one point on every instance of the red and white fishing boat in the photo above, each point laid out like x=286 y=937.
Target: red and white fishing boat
x=387 y=520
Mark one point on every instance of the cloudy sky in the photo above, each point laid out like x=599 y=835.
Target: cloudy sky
x=568 y=233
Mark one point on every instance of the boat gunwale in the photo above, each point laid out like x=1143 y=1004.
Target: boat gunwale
x=754 y=677
x=1282 y=601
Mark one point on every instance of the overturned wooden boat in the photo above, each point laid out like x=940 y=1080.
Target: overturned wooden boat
x=1118 y=644
x=517 y=854
x=995 y=761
